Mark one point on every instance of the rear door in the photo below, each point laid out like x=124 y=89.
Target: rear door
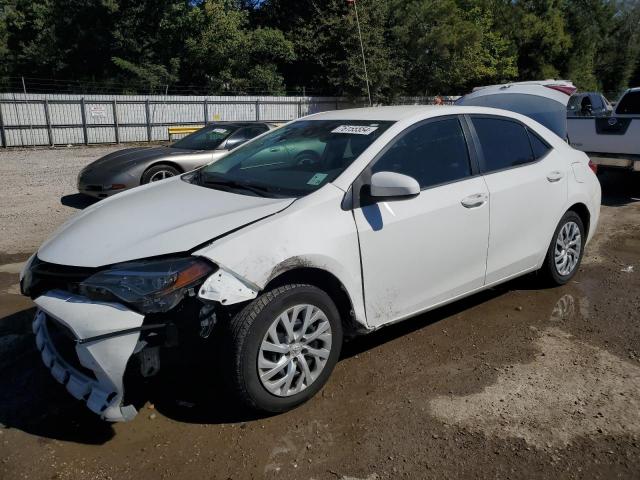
x=527 y=182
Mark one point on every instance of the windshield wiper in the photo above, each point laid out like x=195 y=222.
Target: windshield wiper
x=257 y=189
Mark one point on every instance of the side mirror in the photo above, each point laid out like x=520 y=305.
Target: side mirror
x=393 y=185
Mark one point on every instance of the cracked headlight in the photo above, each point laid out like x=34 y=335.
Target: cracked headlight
x=150 y=286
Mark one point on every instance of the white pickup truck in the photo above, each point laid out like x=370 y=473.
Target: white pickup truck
x=610 y=141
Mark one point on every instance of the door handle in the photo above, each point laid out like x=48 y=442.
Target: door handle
x=554 y=176
x=475 y=200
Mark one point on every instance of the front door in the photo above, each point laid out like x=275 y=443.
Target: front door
x=424 y=251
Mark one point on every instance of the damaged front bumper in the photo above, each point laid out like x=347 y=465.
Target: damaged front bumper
x=92 y=346
x=85 y=354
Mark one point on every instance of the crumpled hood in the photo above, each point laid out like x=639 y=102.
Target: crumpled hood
x=156 y=219
x=117 y=160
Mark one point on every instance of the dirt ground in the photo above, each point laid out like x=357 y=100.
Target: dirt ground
x=515 y=382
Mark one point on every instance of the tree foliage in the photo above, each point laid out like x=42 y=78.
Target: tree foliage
x=453 y=44
x=412 y=47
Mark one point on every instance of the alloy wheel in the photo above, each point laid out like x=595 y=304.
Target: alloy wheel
x=161 y=175
x=567 y=249
x=295 y=350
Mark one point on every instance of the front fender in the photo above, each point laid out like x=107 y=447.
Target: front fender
x=313 y=233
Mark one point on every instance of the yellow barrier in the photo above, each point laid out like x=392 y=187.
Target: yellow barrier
x=183 y=130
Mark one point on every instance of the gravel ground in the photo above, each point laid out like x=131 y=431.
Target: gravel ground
x=516 y=382
x=39 y=192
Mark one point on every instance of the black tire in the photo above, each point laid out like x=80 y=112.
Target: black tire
x=549 y=270
x=246 y=332
x=154 y=170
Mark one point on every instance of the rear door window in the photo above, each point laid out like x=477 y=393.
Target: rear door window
x=504 y=143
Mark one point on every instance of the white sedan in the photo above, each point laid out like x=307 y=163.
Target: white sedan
x=272 y=263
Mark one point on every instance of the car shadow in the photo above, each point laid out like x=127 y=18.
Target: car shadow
x=619 y=187
x=363 y=343
x=31 y=400
x=191 y=396
x=196 y=395
x=78 y=201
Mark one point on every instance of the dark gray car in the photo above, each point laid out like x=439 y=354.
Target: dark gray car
x=131 y=167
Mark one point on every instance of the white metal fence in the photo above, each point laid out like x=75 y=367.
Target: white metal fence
x=39 y=119
x=63 y=119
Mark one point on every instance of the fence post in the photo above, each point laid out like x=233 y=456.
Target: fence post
x=258 y=110
x=83 y=114
x=116 y=127
x=26 y=106
x=148 y=112
x=47 y=117
x=206 y=112
x=337 y=106
x=299 y=108
x=3 y=135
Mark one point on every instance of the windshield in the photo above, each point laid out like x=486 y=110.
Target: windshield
x=207 y=138
x=292 y=161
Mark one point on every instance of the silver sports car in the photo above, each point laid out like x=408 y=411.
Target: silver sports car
x=131 y=167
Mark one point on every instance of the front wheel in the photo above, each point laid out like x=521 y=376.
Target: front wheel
x=283 y=347
x=565 y=252
x=158 y=172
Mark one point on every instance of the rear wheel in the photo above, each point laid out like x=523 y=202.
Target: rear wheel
x=565 y=252
x=283 y=347
x=159 y=172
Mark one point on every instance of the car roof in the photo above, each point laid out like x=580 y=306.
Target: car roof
x=236 y=124
x=550 y=81
x=404 y=112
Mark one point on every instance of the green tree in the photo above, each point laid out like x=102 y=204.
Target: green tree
x=588 y=22
x=4 y=39
x=230 y=56
x=325 y=39
x=447 y=46
x=412 y=47
x=537 y=27
x=31 y=38
x=147 y=39
x=619 y=52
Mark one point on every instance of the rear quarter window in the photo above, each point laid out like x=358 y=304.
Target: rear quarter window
x=540 y=147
